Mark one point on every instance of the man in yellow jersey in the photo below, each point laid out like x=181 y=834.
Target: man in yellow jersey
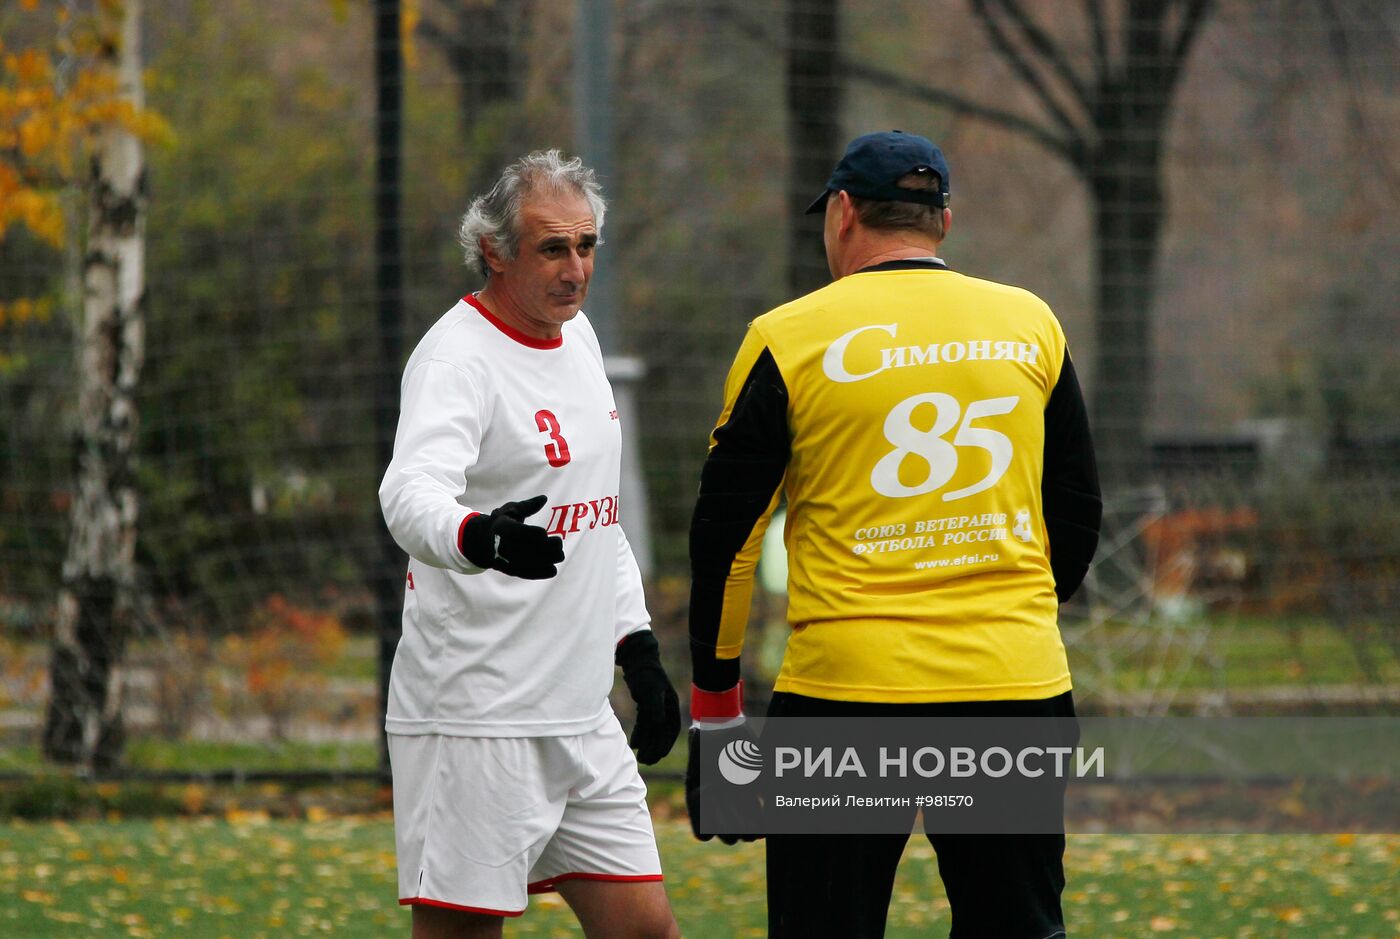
x=930 y=437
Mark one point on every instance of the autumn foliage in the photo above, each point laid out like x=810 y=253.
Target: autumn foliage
x=54 y=103
x=282 y=656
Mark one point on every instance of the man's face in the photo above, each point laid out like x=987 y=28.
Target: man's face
x=548 y=278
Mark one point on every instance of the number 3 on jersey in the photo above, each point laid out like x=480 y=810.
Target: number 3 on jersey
x=942 y=456
x=557 y=450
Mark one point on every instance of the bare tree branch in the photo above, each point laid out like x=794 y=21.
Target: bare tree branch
x=1018 y=63
x=754 y=29
x=1041 y=42
x=1069 y=147
x=1340 y=44
x=433 y=31
x=1093 y=12
x=1192 y=18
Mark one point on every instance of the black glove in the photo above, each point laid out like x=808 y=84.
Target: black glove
x=502 y=542
x=658 y=708
x=737 y=816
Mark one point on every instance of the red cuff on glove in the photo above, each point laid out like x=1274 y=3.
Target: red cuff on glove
x=716 y=705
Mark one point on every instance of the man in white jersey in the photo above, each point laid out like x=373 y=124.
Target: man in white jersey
x=511 y=773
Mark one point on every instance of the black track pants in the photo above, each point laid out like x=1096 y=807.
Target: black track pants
x=999 y=886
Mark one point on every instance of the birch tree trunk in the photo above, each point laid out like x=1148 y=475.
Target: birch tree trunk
x=83 y=725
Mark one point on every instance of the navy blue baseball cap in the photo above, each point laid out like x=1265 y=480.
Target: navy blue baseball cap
x=875 y=163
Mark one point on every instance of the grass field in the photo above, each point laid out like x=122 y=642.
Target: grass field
x=246 y=876
x=1240 y=655
x=151 y=869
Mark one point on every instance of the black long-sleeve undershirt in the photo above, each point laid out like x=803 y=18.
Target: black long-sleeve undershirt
x=737 y=483
x=1069 y=484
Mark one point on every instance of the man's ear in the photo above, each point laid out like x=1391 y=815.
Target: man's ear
x=847 y=210
x=947 y=222
x=491 y=256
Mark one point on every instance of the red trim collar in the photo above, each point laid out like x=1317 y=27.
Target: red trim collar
x=511 y=331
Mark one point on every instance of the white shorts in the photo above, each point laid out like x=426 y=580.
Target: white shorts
x=480 y=822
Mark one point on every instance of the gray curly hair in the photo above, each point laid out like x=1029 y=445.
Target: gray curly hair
x=495 y=216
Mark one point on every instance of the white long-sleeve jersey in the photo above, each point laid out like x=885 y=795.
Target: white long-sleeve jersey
x=490 y=415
